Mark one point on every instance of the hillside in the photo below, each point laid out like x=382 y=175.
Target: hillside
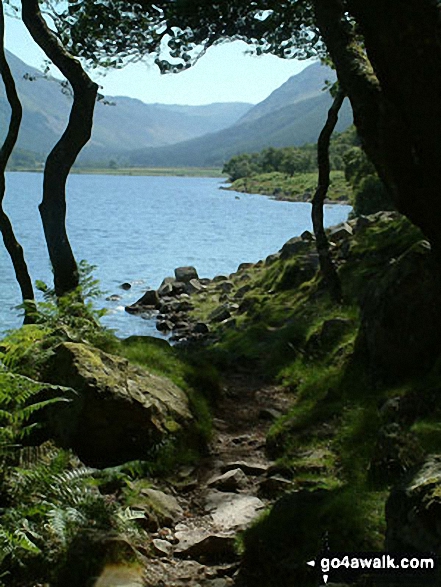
x=291 y=116
x=123 y=125
x=292 y=125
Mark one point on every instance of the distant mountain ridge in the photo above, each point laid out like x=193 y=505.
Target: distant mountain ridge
x=292 y=115
x=125 y=125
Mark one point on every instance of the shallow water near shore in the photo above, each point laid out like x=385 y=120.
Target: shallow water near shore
x=138 y=229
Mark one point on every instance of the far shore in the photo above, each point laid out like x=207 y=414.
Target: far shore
x=138 y=171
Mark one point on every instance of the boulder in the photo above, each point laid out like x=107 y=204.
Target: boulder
x=230 y=481
x=206 y=546
x=293 y=247
x=340 y=232
x=232 y=511
x=125 y=285
x=166 y=507
x=307 y=236
x=186 y=274
x=220 y=314
x=400 y=333
x=165 y=289
x=150 y=299
x=119 y=413
x=194 y=286
x=412 y=511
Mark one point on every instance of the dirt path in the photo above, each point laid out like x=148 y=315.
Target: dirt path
x=229 y=488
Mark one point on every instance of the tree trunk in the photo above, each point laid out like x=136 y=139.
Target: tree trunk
x=12 y=245
x=65 y=152
x=327 y=267
x=395 y=93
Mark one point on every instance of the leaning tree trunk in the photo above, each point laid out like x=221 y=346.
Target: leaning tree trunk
x=395 y=91
x=12 y=245
x=63 y=155
x=327 y=267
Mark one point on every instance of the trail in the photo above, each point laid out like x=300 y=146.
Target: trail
x=223 y=494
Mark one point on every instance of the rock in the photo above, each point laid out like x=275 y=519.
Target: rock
x=150 y=299
x=166 y=289
x=248 y=467
x=194 y=286
x=297 y=272
x=244 y=266
x=186 y=274
x=242 y=291
x=201 y=328
x=229 y=481
x=232 y=511
x=275 y=485
x=340 y=232
x=125 y=285
x=269 y=414
x=162 y=547
x=225 y=286
x=113 y=298
x=220 y=314
x=119 y=412
x=206 y=546
x=412 y=511
x=219 y=278
x=307 y=236
x=165 y=506
x=272 y=258
x=178 y=288
x=330 y=332
x=396 y=452
x=400 y=333
x=164 y=325
x=294 y=246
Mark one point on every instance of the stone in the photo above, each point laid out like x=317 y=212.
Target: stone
x=201 y=328
x=113 y=298
x=165 y=506
x=162 y=547
x=119 y=411
x=294 y=246
x=400 y=332
x=242 y=291
x=412 y=511
x=275 y=485
x=225 y=286
x=206 y=546
x=230 y=481
x=244 y=266
x=194 y=286
x=150 y=299
x=164 y=325
x=396 y=452
x=220 y=314
x=248 y=467
x=166 y=289
x=340 y=232
x=307 y=236
x=272 y=258
x=232 y=511
x=186 y=274
x=178 y=288
x=125 y=285
x=269 y=414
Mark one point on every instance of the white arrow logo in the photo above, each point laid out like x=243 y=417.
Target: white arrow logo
x=311 y=563
x=325 y=578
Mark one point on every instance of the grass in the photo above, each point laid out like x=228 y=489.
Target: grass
x=300 y=187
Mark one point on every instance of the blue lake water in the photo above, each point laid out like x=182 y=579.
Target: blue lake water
x=138 y=229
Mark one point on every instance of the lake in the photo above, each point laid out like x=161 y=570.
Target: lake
x=138 y=229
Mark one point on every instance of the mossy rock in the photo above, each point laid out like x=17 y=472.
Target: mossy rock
x=119 y=413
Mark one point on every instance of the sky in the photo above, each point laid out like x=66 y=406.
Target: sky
x=224 y=74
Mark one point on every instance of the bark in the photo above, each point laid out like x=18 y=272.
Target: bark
x=395 y=92
x=327 y=267
x=65 y=152
x=12 y=245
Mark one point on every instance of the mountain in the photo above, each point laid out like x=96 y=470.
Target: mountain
x=291 y=116
x=121 y=125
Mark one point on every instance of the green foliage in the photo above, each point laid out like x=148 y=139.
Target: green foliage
x=370 y=195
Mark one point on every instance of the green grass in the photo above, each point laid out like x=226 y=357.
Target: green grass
x=300 y=187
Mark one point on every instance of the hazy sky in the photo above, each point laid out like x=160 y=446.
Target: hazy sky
x=224 y=74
